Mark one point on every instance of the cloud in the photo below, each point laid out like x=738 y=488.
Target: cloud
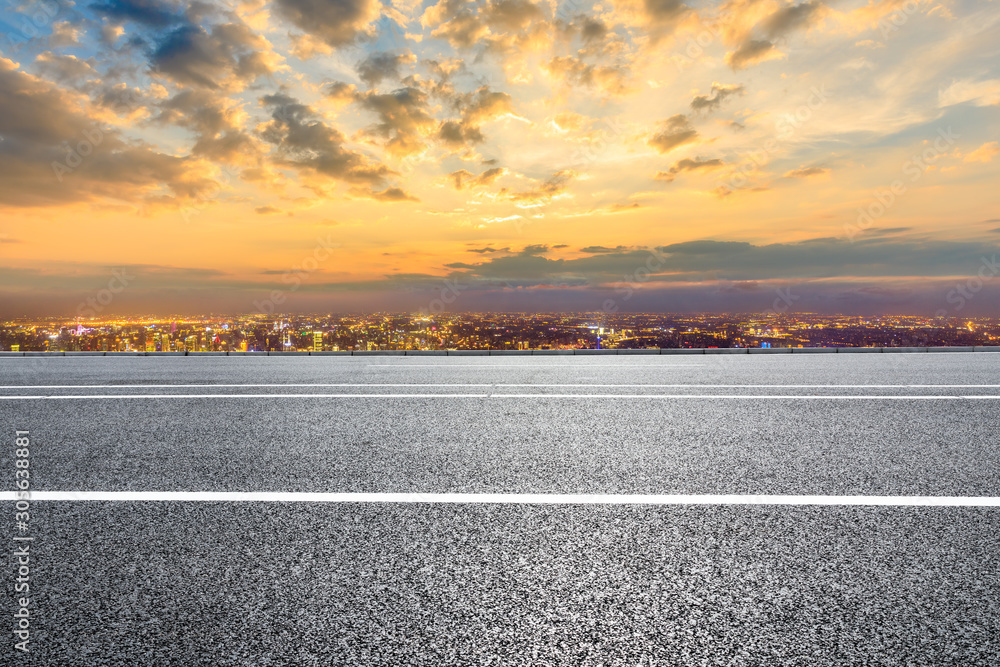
x=512 y=15
x=152 y=13
x=542 y=192
x=334 y=22
x=303 y=141
x=387 y=195
x=404 y=120
x=657 y=18
x=981 y=93
x=38 y=121
x=66 y=68
x=382 y=65
x=621 y=207
x=792 y=17
x=676 y=131
x=216 y=123
x=340 y=92
x=688 y=164
x=64 y=34
x=984 y=153
x=466 y=179
x=456 y=21
x=267 y=210
x=806 y=172
x=752 y=52
x=727 y=262
x=611 y=80
x=720 y=92
x=230 y=56
x=476 y=109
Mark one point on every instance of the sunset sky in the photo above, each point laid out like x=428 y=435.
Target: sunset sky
x=351 y=155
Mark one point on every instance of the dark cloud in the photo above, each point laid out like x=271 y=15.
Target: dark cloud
x=675 y=131
x=404 y=120
x=612 y=80
x=151 y=13
x=512 y=15
x=732 y=262
x=719 y=94
x=749 y=53
x=305 y=142
x=806 y=172
x=534 y=249
x=774 y=27
x=387 y=195
x=688 y=164
x=475 y=108
x=335 y=22
x=543 y=191
x=466 y=179
x=215 y=123
x=664 y=11
x=382 y=65
x=456 y=21
x=230 y=55
x=593 y=29
x=792 y=17
x=887 y=231
x=827 y=275
x=52 y=153
x=343 y=93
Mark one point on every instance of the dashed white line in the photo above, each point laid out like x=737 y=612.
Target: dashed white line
x=509 y=498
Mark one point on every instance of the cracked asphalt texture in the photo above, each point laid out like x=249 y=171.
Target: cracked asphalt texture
x=188 y=583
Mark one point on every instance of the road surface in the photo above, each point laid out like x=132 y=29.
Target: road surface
x=521 y=510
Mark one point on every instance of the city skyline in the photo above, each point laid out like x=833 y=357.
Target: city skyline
x=491 y=331
x=508 y=155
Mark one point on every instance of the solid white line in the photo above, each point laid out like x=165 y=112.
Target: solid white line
x=126 y=396
x=855 y=397
x=209 y=386
x=818 y=397
x=411 y=366
x=506 y=498
x=486 y=384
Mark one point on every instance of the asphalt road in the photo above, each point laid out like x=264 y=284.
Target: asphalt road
x=186 y=582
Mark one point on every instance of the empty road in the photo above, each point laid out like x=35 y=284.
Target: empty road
x=515 y=510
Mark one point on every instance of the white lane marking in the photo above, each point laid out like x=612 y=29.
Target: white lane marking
x=126 y=396
x=507 y=498
x=411 y=366
x=209 y=386
x=499 y=384
x=820 y=397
